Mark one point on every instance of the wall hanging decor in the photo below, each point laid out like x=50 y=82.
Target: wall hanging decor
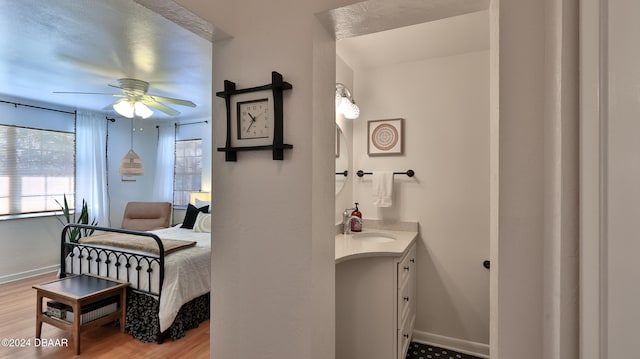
x=255 y=118
x=385 y=137
x=131 y=163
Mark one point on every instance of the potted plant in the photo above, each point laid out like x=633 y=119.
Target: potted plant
x=74 y=233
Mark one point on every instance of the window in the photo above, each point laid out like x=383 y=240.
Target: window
x=37 y=169
x=187 y=171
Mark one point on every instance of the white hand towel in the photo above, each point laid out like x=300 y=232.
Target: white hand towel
x=382 y=188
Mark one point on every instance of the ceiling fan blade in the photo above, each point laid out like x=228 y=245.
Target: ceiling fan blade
x=161 y=107
x=174 y=101
x=90 y=93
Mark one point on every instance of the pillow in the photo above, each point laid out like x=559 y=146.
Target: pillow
x=201 y=204
x=191 y=215
x=203 y=223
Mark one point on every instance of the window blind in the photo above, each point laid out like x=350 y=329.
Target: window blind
x=187 y=171
x=37 y=169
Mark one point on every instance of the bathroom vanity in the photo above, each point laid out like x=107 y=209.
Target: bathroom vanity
x=375 y=293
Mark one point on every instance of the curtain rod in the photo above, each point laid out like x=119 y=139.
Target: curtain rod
x=38 y=107
x=190 y=123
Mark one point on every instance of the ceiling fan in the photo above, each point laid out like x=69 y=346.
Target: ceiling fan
x=134 y=100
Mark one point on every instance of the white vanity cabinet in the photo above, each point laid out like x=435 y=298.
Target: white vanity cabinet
x=375 y=305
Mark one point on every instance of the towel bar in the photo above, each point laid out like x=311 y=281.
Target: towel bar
x=409 y=173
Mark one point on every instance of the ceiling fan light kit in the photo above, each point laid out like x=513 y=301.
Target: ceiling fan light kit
x=128 y=109
x=134 y=100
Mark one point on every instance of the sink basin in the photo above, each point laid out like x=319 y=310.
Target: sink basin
x=374 y=237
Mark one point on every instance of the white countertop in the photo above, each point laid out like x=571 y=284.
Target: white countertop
x=348 y=247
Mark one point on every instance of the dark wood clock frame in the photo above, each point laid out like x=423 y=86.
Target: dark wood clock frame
x=278 y=86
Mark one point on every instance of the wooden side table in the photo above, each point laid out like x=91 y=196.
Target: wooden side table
x=78 y=291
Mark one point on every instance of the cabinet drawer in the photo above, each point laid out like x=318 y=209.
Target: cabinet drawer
x=404 y=337
x=405 y=302
x=406 y=266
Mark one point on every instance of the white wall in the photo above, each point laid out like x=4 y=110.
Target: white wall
x=445 y=106
x=273 y=249
x=521 y=190
x=616 y=160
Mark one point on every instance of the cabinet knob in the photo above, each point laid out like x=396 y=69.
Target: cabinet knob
x=412 y=260
x=406 y=336
x=406 y=299
x=406 y=268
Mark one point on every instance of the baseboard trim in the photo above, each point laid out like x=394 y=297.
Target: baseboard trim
x=28 y=274
x=463 y=346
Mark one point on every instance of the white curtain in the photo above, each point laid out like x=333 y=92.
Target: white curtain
x=165 y=160
x=91 y=165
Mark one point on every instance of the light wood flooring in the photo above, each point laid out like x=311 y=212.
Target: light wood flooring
x=17 y=321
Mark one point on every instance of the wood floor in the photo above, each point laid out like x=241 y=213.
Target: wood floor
x=17 y=323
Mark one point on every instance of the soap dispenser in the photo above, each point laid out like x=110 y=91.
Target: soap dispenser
x=356 y=225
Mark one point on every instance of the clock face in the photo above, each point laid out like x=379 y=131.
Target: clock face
x=253 y=119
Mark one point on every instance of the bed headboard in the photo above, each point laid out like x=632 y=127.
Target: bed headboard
x=145 y=216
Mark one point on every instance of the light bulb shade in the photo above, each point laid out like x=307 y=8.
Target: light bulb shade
x=352 y=111
x=124 y=108
x=142 y=110
x=127 y=109
x=131 y=165
x=344 y=105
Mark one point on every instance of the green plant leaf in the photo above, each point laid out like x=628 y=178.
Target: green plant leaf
x=74 y=234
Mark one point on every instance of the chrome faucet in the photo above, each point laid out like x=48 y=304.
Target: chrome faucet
x=346 y=220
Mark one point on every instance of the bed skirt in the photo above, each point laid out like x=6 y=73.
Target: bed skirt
x=143 y=322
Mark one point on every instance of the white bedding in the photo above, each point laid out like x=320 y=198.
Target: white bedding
x=187 y=272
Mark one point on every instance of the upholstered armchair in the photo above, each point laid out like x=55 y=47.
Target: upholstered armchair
x=146 y=216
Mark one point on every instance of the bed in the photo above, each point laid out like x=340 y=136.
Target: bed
x=168 y=269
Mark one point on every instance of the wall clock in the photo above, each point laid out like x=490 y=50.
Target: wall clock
x=255 y=118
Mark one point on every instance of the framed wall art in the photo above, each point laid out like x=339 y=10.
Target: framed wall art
x=385 y=137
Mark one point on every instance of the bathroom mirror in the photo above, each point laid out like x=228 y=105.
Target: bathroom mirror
x=342 y=160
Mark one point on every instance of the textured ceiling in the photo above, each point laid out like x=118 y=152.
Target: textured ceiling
x=438 y=38
x=372 y=16
x=85 y=45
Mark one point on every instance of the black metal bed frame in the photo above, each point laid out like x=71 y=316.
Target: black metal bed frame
x=127 y=264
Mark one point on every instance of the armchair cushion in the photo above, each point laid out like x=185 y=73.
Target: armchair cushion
x=146 y=216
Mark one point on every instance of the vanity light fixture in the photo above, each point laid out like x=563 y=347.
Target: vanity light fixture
x=345 y=103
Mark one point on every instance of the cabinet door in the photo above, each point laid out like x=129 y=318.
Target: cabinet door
x=406 y=300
